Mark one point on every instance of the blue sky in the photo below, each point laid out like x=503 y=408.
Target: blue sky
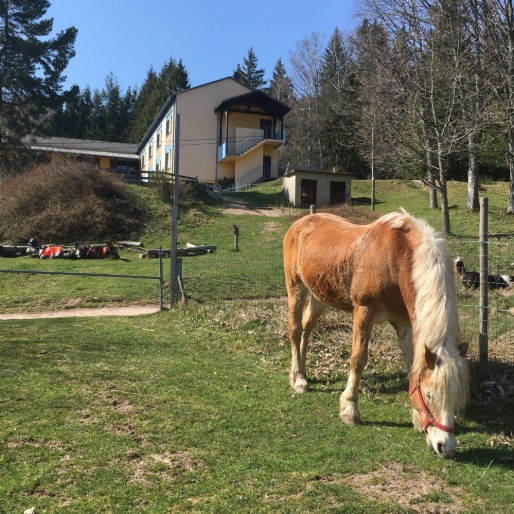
x=126 y=37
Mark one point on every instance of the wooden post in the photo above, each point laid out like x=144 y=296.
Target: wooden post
x=483 y=337
x=236 y=238
x=174 y=214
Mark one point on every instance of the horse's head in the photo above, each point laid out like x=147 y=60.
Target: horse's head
x=436 y=397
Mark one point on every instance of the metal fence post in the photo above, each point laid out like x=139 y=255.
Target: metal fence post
x=483 y=337
x=174 y=214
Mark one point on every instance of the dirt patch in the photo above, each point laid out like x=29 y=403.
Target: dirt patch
x=69 y=313
x=241 y=209
x=414 y=490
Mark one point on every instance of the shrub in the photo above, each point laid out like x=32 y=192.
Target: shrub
x=67 y=202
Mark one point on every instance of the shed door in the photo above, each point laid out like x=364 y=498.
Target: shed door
x=308 y=192
x=337 y=192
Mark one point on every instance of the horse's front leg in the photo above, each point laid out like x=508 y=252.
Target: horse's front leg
x=362 y=325
x=302 y=318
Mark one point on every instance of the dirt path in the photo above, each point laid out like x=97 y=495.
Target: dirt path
x=69 y=313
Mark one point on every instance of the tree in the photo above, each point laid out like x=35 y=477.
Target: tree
x=31 y=67
x=281 y=86
x=153 y=94
x=248 y=74
x=339 y=107
x=306 y=67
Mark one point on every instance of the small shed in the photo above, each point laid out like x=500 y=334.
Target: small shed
x=304 y=188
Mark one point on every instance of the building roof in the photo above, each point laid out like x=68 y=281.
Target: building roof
x=254 y=102
x=82 y=147
x=317 y=172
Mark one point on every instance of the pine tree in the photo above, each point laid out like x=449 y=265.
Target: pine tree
x=31 y=67
x=338 y=95
x=154 y=92
x=248 y=74
x=281 y=86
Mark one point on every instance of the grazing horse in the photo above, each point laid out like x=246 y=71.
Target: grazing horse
x=396 y=269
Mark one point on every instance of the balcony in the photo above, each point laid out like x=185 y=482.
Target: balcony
x=247 y=139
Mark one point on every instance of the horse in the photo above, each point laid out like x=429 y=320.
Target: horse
x=395 y=269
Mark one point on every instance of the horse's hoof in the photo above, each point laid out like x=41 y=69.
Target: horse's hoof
x=350 y=420
x=301 y=386
x=350 y=414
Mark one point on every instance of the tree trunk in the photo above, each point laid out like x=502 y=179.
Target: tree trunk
x=510 y=200
x=473 y=171
x=445 y=212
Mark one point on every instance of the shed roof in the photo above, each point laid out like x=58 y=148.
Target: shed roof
x=295 y=171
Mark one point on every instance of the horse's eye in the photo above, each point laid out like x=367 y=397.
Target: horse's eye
x=428 y=394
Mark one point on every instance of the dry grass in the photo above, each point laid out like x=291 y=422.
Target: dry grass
x=67 y=202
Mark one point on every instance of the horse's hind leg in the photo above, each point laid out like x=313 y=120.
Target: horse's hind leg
x=362 y=325
x=404 y=333
x=304 y=310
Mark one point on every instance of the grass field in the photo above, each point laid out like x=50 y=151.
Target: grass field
x=190 y=410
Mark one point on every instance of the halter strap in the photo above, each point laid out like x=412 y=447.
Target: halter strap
x=429 y=419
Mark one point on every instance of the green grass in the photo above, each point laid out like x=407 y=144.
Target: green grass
x=190 y=410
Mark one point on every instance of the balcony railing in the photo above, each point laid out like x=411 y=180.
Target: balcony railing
x=237 y=148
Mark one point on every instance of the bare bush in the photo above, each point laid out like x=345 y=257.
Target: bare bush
x=67 y=202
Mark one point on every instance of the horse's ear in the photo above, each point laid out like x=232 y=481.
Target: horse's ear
x=430 y=358
x=463 y=349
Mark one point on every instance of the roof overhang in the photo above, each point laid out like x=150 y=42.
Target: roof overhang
x=255 y=102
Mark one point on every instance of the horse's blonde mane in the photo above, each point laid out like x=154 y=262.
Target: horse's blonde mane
x=436 y=324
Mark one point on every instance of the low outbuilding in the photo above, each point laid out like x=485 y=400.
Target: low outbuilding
x=303 y=188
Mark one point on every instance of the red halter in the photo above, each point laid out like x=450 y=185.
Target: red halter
x=429 y=419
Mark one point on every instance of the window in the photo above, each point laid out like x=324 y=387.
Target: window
x=158 y=166
x=150 y=149
x=167 y=159
x=159 y=137
x=168 y=124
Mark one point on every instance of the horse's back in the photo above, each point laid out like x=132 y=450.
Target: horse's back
x=342 y=263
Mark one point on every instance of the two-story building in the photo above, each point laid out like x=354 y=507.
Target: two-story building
x=226 y=131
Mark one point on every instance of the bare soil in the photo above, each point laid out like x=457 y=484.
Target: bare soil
x=68 y=313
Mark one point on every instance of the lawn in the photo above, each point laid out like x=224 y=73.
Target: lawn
x=190 y=410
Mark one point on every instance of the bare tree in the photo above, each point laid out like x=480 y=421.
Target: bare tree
x=428 y=75
x=500 y=51
x=306 y=65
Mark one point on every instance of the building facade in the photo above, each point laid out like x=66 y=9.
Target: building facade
x=227 y=132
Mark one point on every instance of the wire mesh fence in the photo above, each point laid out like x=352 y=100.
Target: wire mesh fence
x=255 y=272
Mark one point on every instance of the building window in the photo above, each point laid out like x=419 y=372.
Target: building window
x=159 y=137
x=158 y=165
x=168 y=124
x=150 y=149
x=167 y=160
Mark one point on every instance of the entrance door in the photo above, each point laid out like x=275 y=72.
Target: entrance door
x=267 y=127
x=337 y=192
x=308 y=189
x=266 y=166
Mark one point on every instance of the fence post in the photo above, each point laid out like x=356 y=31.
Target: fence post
x=236 y=238
x=483 y=337
x=313 y=209
x=174 y=214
